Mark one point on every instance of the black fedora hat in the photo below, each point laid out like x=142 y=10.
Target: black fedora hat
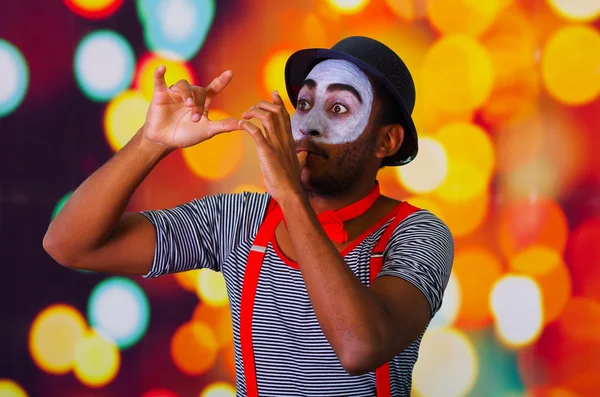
x=379 y=61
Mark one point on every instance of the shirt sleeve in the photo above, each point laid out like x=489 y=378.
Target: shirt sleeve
x=421 y=251
x=203 y=232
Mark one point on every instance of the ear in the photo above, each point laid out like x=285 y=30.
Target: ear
x=390 y=139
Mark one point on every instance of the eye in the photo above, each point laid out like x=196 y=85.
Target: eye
x=303 y=105
x=338 y=108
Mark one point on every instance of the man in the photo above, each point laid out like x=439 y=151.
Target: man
x=331 y=285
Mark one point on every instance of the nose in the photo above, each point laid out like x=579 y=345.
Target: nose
x=313 y=133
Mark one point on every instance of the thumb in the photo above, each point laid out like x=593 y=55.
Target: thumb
x=159 y=79
x=302 y=159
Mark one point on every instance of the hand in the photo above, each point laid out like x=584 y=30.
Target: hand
x=276 y=148
x=178 y=115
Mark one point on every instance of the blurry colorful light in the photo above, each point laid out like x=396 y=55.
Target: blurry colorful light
x=458 y=74
x=211 y=288
x=450 y=305
x=547 y=268
x=447 y=365
x=428 y=170
x=218 y=318
x=516 y=303
x=218 y=389
x=569 y=77
x=348 y=6
x=118 y=308
x=9 y=388
x=228 y=359
x=194 y=348
x=470 y=166
x=144 y=80
x=584 y=258
x=272 y=77
x=577 y=10
x=426 y=203
x=94 y=9
x=14 y=79
x=104 y=65
x=247 y=187
x=409 y=10
x=53 y=338
x=125 y=114
x=218 y=157
x=187 y=280
x=471 y=17
x=176 y=29
x=476 y=269
x=464 y=217
x=60 y=204
x=532 y=221
x=97 y=360
x=159 y=393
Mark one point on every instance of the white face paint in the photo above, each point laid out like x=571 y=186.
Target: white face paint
x=335 y=113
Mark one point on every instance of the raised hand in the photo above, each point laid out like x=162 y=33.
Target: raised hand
x=178 y=115
x=279 y=161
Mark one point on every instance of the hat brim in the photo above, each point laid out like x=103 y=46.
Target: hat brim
x=301 y=63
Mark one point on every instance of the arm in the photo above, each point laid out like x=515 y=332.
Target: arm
x=91 y=231
x=368 y=326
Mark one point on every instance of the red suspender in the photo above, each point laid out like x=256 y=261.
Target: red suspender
x=382 y=374
x=250 y=284
x=255 y=260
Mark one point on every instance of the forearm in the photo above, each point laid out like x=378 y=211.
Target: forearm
x=90 y=215
x=349 y=314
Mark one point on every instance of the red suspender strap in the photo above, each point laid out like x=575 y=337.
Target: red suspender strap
x=382 y=374
x=251 y=275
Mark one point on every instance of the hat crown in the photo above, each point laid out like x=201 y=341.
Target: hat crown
x=384 y=59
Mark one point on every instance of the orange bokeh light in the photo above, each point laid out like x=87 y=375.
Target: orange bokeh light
x=218 y=318
x=464 y=217
x=187 y=280
x=194 y=348
x=477 y=269
x=532 y=221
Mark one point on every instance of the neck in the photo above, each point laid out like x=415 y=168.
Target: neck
x=324 y=202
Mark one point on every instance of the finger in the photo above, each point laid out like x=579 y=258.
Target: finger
x=226 y=125
x=159 y=79
x=255 y=133
x=183 y=88
x=216 y=86
x=302 y=159
x=281 y=128
x=278 y=100
x=199 y=96
x=268 y=121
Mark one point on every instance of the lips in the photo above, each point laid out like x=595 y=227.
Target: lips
x=309 y=150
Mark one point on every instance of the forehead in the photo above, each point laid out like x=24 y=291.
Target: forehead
x=339 y=71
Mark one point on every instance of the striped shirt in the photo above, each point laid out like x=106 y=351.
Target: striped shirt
x=292 y=355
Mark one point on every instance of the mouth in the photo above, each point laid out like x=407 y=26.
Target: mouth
x=310 y=151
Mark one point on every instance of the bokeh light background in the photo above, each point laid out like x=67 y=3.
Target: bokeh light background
x=508 y=115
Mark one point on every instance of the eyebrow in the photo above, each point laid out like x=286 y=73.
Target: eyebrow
x=311 y=84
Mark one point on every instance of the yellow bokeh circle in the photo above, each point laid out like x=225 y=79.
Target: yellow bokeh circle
x=577 y=10
x=211 y=288
x=458 y=74
x=273 y=77
x=470 y=161
x=8 y=388
x=471 y=17
x=53 y=338
x=176 y=70
x=97 y=360
x=93 y=5
x=348 y=6
x=465 y=217
x=218 y=157
x=125 y=115
x=218 y=389
x=187 y=280
x=427 y=171
x=571 y=65
x=436 y=372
